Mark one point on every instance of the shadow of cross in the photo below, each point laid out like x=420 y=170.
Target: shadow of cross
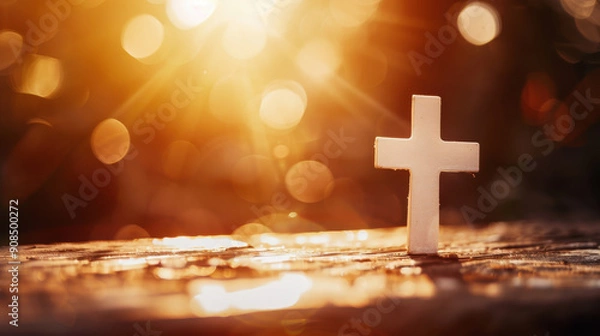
x=425 y=155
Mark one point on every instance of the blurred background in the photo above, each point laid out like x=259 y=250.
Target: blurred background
x=126 y=119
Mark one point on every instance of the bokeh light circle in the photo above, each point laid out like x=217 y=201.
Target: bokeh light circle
x=281 y=151
x=588 y=29
x=283 y=105
x=143 y=35
x=579 y=9
x=479 y=23
x=249 y=229
x=110 y=141
x=309 y=181
x=40 y=76
x=131 y=231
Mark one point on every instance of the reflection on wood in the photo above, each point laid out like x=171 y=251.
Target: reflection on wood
x=508 y=277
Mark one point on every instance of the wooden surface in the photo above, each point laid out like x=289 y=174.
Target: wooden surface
x=508 y=278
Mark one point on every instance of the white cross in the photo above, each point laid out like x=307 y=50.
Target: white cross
x=425 y=155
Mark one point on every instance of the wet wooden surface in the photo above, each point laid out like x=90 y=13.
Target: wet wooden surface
x=508 y=278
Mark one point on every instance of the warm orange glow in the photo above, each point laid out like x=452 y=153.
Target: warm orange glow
x=229 y=98
x=479 y=23
x=11 y=44
x=186 y=14
x=373 y=69
x=309 y=181
x=142 y=37
x=90 y=3
x=110 y=141
x=352 y=13
x=319 y=59
x=254 y=178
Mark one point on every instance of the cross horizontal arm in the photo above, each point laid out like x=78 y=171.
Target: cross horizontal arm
x=459 y=157
x=394 y=153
